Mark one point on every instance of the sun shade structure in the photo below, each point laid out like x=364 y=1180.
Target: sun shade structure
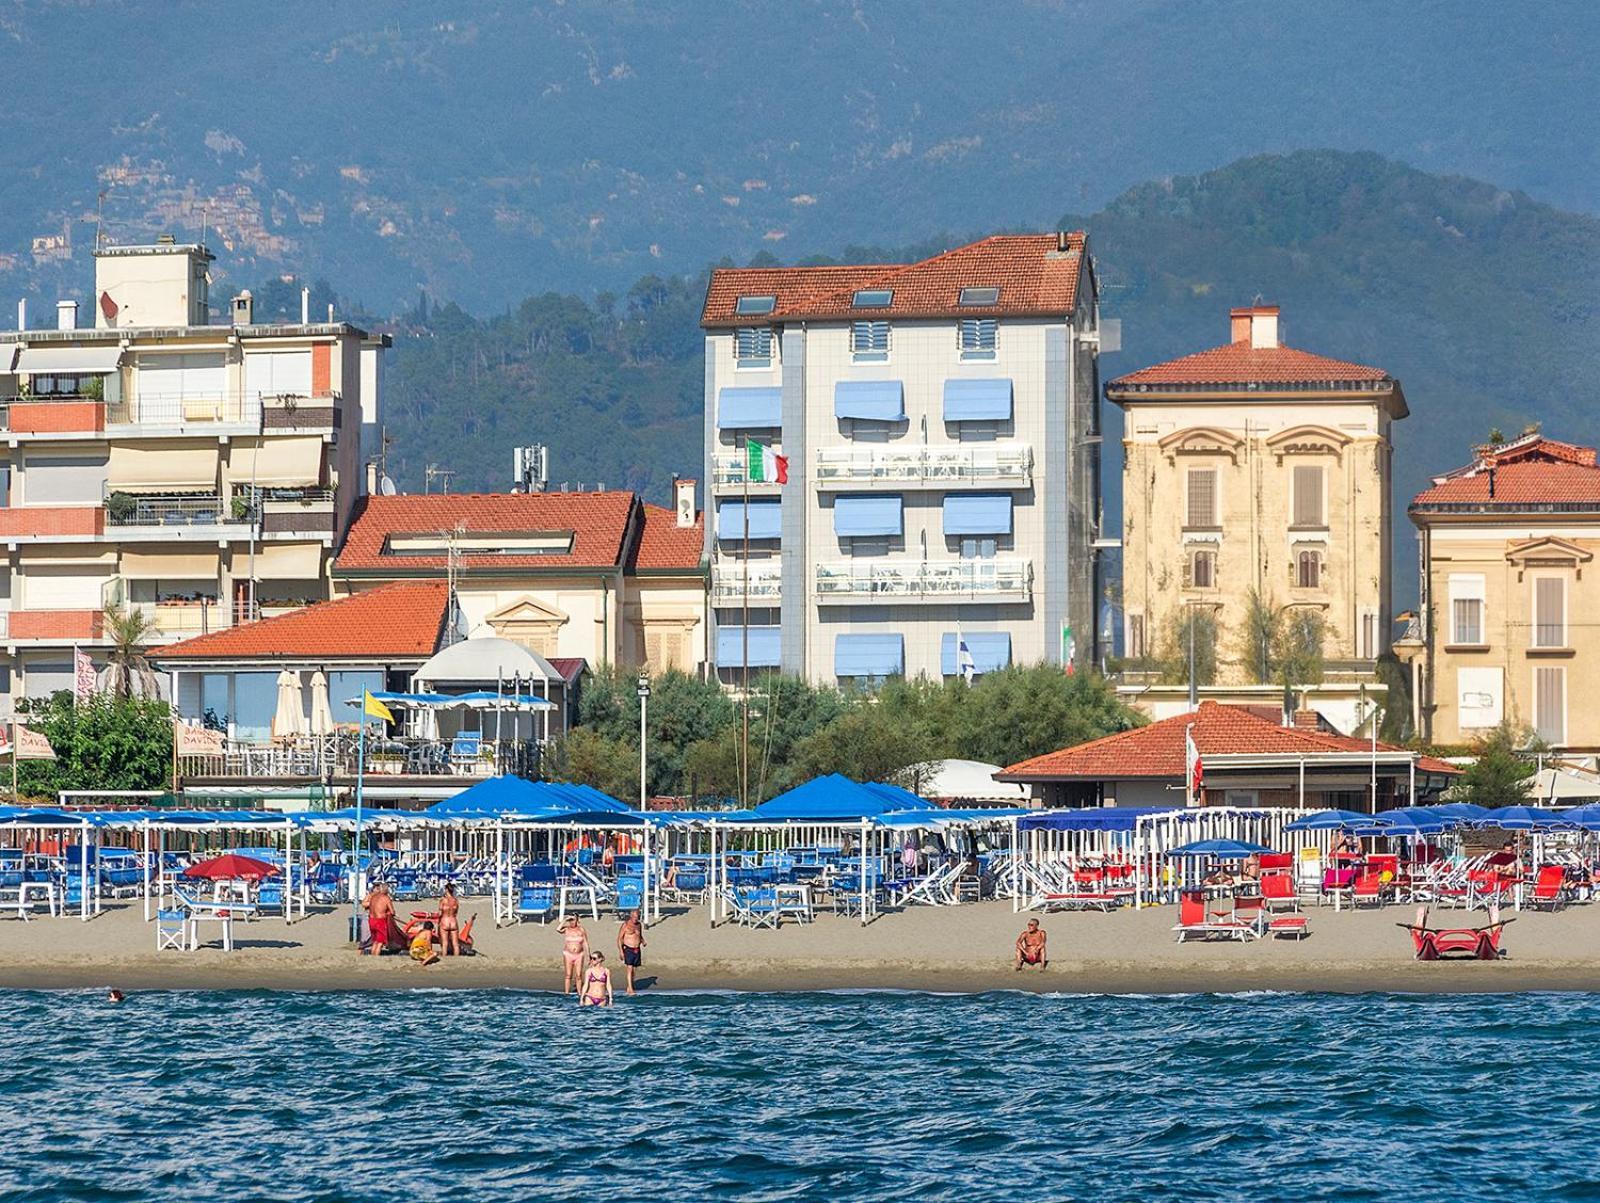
x=232 y=867
x=1330 y=820
x=839 y=799
x=1219 y=849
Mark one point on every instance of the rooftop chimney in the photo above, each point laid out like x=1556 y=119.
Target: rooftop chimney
x=244 y=309
x=683 y=497
x=66 y=315
x=305 y=306
x=1254 y=324
x=22 y=314
x=1063 y=241
x=1307 y=720
x=372 y=477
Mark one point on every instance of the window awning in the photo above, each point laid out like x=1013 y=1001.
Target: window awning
x=765 y=520
x=281 y=562
x=869 y=655
x=147 y=467
x=764 y=647
x=986 y=400
x=868 y=516
x=990 y=651
x=283 y=462
x=870 y=400
x=977 y=514
x=86 y=361
x=170 y=565
x=749 y=408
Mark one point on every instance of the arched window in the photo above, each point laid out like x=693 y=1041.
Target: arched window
x=1308 y=570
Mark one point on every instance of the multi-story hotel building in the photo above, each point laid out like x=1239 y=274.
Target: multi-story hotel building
x=1506 y=550
x=154 y=461
x=1258 y=475
x=940 y=424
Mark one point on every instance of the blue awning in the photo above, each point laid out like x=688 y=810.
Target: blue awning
x=868 y=515
x=977 y=513
x=870 y=400
x=839 y=799
x=991 y=650
x=977 y=400
x=749 y=408
x=1098 y=818
x=869 y=655
x=765 y=520
x=764 y=647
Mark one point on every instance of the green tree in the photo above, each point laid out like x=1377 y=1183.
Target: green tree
x=1498 y=776
x=586 y=757
x=683 y=710
x=784 y=711
x=1019 y=712
x=129 y=673
x=1299 y=648
x=1200 y=624
x=102 y=742
x=871 y=743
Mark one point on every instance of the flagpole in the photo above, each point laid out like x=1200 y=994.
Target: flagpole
x=1189 y=750
x=744 y=755
x=361 y=768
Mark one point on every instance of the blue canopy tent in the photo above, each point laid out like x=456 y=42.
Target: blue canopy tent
x=837 y=799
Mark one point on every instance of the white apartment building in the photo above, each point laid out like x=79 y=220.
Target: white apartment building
x=200 y=473
x=941 y=425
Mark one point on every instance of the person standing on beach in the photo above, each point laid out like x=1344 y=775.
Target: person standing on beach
x=574 y=945
x=596 y=983
x=1030 y=946
x=630 y=945
x=449 y=912
x=380 y=917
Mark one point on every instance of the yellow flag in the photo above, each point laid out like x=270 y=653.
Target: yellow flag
x=371 y=705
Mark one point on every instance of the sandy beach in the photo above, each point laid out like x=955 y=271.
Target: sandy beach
x=963 y=949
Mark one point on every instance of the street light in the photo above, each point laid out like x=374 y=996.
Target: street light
x=644 y=704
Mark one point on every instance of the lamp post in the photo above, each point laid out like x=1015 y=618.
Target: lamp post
x=644 y=703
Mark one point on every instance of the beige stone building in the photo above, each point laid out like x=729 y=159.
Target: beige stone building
x=1255 y=469
x=1507 y=546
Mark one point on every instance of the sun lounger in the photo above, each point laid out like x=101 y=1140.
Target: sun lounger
x=1367 y=889
x=1193 y=920
x=1278 y=892
x=1288 y=927
x=535 y=902
x=1549 y=888
x=630 y=894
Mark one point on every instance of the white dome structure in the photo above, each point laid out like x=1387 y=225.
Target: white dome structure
x=969 y=781
x=482 y=663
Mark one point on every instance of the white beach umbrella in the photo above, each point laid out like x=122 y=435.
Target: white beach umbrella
x=288 y=720
x=321 y=708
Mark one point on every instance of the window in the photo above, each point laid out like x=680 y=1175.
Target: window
x=1479 y=698
x=755 y=306
x=1135 y=648
x=979 y=549
x=1202 y=491
x=1308 y=497
x=1202 y=570
x=752 y=346
x=979 y=296
x=1308 y=570
x=869 y=341
x=1369 y=636
x=1466 y=609
x=873 y=298
x=1550 y=705
x=861 y=546
x=978 y=338
x=1549 y=611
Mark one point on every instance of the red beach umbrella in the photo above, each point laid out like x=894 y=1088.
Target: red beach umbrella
x=232 y=866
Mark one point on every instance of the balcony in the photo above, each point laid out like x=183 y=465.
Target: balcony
x=728 y=585
x=174 y=619
x=176 y=509
x=51 y=521
x=335 y=756
x=169 y=410
x=956 y=466
x=300 y=511
x=925 y=580
x=731 y=469
x=57 y=414
x=56 y=626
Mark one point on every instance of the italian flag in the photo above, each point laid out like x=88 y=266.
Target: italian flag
x=764 y=466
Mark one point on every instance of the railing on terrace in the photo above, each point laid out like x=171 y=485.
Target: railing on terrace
x=337 y=756
x=934 y=579
x=977 y=463
x=310 y=495
x=139 y=509
x=731 y=469
x=727 y=583
x=183 y=618
x=176 y=409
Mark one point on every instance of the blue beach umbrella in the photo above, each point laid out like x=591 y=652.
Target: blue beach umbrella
x=1525 y=818
x=1329 y=820
x=1587 y=816
x=1459 y=812
x=1220 y=849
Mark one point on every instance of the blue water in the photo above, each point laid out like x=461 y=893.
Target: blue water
x=503 y=1095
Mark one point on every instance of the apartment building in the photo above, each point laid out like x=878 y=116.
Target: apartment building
x=199 y=473
x=1256 y=479
x=940 y=423
x=1506 y=545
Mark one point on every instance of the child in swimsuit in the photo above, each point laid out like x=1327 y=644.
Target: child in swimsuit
x=597 y=983
x=574 y=943
x=422 y=945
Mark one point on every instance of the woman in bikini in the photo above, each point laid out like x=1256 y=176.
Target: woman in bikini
x=449 y=911
x=596 y=983
x=574 y=944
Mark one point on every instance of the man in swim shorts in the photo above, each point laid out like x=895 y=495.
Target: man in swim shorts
x=574 y=949
x=630 y=945
x=1030 y=946
x=380 y=917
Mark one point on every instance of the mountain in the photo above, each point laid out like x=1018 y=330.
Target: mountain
x=1481 y=300
x=487 y=151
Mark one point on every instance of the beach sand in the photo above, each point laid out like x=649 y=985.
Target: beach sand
x=955 y=949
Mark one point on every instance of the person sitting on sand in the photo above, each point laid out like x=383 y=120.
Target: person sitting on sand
x=449 y=911
x=630 y=945
x=1030 y=946
x=380 y=917
x=596 y=983
x=574 y=944
x=422 y=945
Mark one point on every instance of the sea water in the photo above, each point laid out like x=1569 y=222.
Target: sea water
x=507 y=1095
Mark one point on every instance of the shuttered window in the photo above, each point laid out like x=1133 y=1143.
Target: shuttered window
x=1550 y=704
x=1135 y=647
x=1308 y=570
x=1203 y=570
x=869 y=340
x=1202 y=485
x=1466 y=608
x=978 y=336
x=1308 y=497
x=752 y=346
x=1549 y=611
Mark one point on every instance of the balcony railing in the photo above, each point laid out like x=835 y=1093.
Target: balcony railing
x=176 y=409
x=1009 y=464
x=336 y=756
x=728 y=585
x=929 y=580
x=731 y=469
x=181 y=619
x=189 y=509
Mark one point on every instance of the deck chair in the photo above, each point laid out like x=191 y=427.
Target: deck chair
x=1194 y=921
x=630 y=894
x=1367 y=888
x=1549 y=888
x=536 y=902
x=1308 y=873
x=172 y=930
x=762 y=908
x=1278 y=893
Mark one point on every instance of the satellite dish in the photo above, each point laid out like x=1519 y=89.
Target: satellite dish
x=386 y=486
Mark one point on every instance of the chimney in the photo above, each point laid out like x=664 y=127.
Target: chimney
x=1255 y=324
x=372 y=477
x=1306 y=719
x=1239 y=321
x=66 y=315
x=330 y=313
x=305 y=306
x=683 y=498
x=1063 y=241
x=22 y=314
x=244 y=309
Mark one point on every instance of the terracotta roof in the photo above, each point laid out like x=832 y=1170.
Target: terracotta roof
x=398 y=621
x=570 y=667
x=663 y=545
x=1530 y=471
x=1034 y=278
x=598 y=523
x=1158 y=750
x=1240 y=363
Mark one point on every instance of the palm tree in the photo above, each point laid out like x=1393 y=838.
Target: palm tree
x=128 y=674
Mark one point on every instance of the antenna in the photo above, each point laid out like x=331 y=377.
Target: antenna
x=530 y=468
x=99 y=217
x=434 y=472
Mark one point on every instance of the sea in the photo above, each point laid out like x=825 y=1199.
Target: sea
x=511 y=1095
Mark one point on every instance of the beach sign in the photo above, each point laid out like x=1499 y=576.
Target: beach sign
x=31 y=745
x=196 y=741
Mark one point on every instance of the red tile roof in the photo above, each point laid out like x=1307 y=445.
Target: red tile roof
x=1530 y=471
x=1158 y=750
x=599 y=524
x=663 y=545
x=1240 y=363
x=399 y=621
x=570 y=667
x=1034 y=276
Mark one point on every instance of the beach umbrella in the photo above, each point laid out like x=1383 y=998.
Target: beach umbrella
x=321 y=709
x=1459 y=812
x=1524 y=818
x=1220 y=849
x=1586 y=817
x=288 y=720
x=1329 y=820
x=231 y=866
